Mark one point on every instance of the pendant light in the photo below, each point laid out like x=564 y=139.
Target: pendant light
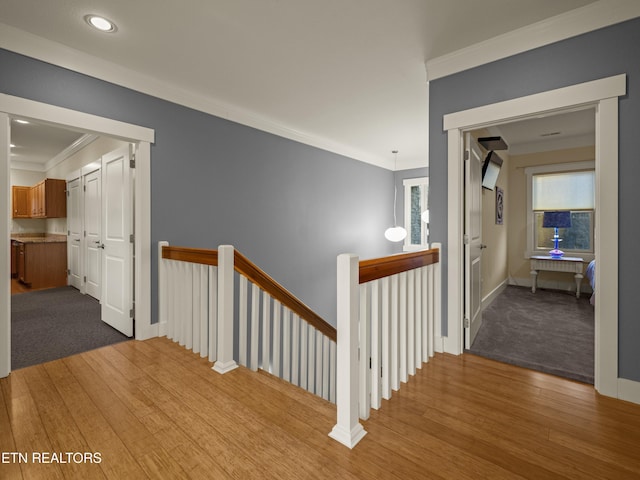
x=395 y=233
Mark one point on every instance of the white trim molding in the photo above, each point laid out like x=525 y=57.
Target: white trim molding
x=142 y=137
x=560 y=27
x=603 y=95
x=629 y=390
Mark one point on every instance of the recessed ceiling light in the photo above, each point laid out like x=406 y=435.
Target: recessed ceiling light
x=100 y=23
x=24 y=122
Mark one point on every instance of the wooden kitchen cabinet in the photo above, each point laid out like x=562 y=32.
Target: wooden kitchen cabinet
x=48 y=199
x=21 y=201
x=14 y=259
x=42 y=264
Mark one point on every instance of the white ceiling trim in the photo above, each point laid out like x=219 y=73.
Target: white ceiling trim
x=30 y=166
x=570 y=24
x=30 y=45
x=76 y=146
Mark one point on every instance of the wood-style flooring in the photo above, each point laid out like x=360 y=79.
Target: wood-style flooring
x=154 y=410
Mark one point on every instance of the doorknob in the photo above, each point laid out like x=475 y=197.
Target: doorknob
x=101 y=245
x=482 y=246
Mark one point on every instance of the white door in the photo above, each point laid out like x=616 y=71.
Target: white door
x=74 y=233
x=473 y=240
x=117 y=261
x=93 y=236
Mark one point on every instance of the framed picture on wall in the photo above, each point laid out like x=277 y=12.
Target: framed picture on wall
x=499 y=206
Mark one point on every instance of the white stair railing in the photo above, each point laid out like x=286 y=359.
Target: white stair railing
x=188 y=303
x=276 y=332
x=387 y=312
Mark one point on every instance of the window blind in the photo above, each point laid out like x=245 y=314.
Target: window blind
x=564 y=191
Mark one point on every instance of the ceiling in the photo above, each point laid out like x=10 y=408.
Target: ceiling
x=349 y=76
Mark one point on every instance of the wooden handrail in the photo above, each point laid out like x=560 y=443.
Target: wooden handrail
x=250 y=270
x=376 y=268
x=192 y=255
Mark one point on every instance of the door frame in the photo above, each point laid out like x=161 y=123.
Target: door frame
x=11 y=106
x=603 y=96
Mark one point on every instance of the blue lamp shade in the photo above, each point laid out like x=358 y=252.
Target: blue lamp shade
x=556 y=219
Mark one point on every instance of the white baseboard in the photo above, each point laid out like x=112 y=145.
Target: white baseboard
x=438 y=345
x=629 y=390
x=486 y=301
x=150 y=331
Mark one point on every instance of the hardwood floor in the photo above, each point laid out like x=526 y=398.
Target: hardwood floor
x=154 y=410
x=18 y=287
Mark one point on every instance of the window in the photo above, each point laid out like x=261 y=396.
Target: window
x=416 y=192
x=567 y=187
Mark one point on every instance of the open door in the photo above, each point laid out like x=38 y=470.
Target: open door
x=117 y=241
x=74 y=232
x=93 y=233
x=472 y=240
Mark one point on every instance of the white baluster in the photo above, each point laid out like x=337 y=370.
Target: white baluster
x=304 y=353
x=182 y=301
x=170 y=312
x=411 y=323
x=286 y=344
x=395 y=331
x=319 y=364
x=255 y=326
x=325 y=367
x=204 y=312
x=311 y=370
x=243 y=320
x=402 y=348
x=428 y=291
x=225 y=361
x=212 y=273
x=385 y=338
x=295 y=350
x=266 y=332
x=375 y=344
x=195 y=291
x=276 y=341
x=419 y=318
x=364 y=376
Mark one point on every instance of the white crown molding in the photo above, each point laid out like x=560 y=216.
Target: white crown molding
x=30 y=166
x=30 y=45
x=76 y=146
x=570 y=24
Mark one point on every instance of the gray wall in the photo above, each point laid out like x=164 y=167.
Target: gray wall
x=606 y=52
x=289 y=207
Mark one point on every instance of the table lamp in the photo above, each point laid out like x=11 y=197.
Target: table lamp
x=556 y=220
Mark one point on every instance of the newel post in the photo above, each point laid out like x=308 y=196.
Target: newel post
x=225 y=362
x=348 y=429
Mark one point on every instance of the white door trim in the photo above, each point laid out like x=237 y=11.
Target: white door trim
x=603 y=95
x=11 y=106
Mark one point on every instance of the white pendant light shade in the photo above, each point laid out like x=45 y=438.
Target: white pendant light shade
x=395 y=234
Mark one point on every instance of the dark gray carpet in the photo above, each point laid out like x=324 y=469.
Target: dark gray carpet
x=549 y=331
x=56 y=323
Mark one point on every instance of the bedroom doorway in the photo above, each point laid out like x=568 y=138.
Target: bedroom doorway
x=603 y=96
x=551 y=330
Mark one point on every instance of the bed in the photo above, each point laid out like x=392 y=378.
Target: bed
x=591 y=275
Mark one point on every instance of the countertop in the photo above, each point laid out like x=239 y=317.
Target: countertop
x=38 y=238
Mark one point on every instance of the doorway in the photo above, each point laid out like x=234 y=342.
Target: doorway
x=142 y=137
x=603 y=96
x=542 y=161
